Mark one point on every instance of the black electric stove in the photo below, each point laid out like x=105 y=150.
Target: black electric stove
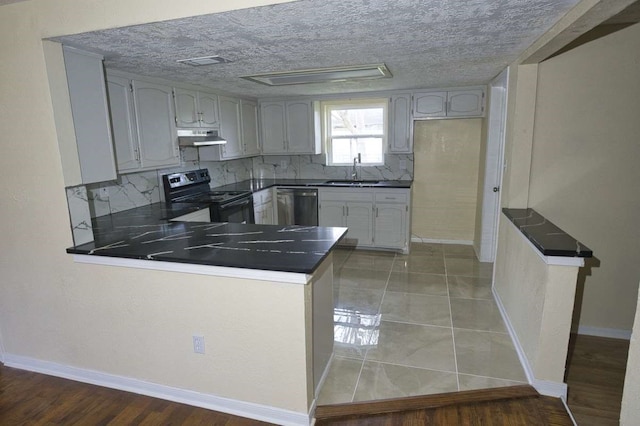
x=193 y=187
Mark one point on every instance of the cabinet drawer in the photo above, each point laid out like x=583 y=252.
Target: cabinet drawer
x=355 y=195
x=392 y=197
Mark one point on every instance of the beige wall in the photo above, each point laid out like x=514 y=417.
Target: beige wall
x=121 y=321
x=585 y=175
x=445 y=185
x=537 y=299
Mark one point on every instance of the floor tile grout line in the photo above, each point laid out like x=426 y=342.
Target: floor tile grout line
x=453 y=337
x=413 y=366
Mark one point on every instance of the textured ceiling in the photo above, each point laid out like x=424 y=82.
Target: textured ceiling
x=425 y=44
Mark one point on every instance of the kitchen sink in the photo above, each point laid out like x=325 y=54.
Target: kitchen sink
x=352 y=182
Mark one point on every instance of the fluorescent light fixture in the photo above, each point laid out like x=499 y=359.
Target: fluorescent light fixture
x=204 y=60
x=322 y=75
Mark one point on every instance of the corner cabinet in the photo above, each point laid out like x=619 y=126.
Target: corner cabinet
x=454 y=103
x=376 y=218
x=89 y=109
x=196 y=109
x=400 y=128
x=289 y=127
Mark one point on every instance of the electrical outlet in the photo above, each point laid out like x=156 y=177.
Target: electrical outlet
x=283 y=164
x=403 y=164
x=198 y=344
x=104 y=193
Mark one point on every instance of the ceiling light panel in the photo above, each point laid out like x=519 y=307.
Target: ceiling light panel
x=322 y=75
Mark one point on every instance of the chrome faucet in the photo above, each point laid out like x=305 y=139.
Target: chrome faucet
x=354 y=170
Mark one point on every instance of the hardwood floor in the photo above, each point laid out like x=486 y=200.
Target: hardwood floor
x=36 y=399
x=595 y=376
x=516 y=405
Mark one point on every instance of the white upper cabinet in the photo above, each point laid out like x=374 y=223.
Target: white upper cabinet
x=288 y=127
x=300 y=131
x=89 y=108
x=430 y=104
x=157 y=138
x=465 y=103
x=272 y=116
x=249 y=115
x=196 y=109
x=123 y=123
x=230 y=127
x=400 y=138
x=453 y=103
x=239 y=126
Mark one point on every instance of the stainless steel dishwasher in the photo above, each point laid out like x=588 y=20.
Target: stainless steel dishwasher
x=297 y=206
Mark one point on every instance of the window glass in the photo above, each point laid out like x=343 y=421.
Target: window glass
x=354 y=128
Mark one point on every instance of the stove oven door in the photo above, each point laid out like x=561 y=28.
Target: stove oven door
x=238 y=211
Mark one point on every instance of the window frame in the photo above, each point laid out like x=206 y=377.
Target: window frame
x=362 y=103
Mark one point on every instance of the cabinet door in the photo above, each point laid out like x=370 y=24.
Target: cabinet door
x=466 y=103
x=250 y=128
x=359 y=220
x=155 y=125
x=429 y=104
x=208 y=108
x=230 y=127
x=186 y=108
x=390 y=225
x=88 y=96
x=331 y=213
x=299 y=133
x=272 y=116
x=400 y=124
x=125 y=139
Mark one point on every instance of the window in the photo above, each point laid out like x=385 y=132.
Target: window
x=355 y=127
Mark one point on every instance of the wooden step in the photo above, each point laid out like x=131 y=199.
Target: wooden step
x=515 y=405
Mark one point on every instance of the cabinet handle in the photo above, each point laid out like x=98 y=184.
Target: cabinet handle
x=376 y=211
x=347 y=210
x=136 y=154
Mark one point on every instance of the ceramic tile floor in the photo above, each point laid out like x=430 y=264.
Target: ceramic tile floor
x=416 y=324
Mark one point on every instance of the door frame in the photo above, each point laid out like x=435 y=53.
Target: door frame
x=494 y=167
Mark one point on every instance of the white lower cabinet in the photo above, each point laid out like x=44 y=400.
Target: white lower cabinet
x=263 y=207
x=376 y=218
x=201 y=215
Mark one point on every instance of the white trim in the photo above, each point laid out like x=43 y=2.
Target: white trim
x=613 y=333
x=555 y=389
x=323 y=377
x=566 y=407
x=184 y=396
x=190 y=268
x=550 y=260
x=436 y=241
x=1 y=350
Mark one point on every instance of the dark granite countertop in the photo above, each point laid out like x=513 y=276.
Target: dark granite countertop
x=146 y=233
x=547 y=237
x=255 y=185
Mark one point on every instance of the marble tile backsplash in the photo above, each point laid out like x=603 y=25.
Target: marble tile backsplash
x=79 y=214
x=138 y=189
x=313 y=167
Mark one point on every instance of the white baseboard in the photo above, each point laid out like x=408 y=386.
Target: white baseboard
x=415 y=239
x=212 y=402
x=613 y=333
x=555 y=389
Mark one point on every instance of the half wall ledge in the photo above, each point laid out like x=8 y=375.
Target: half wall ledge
x=554 y=245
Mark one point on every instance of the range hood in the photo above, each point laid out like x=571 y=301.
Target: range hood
x=196 y=138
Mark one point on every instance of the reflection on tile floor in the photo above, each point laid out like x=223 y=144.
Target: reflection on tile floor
x=416 y=324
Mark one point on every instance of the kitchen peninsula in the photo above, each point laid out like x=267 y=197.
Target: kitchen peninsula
x=261 y=296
